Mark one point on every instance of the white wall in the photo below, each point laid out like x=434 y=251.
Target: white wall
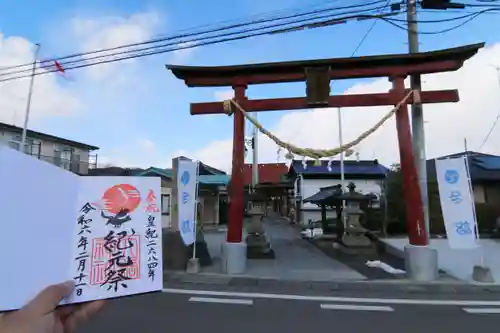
x=479 y=193
x=48 y=148
x=311 y=186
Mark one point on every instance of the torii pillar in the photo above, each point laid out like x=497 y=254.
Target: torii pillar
x=420 y=259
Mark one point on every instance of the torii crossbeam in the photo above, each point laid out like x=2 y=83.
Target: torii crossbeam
x=317 y=75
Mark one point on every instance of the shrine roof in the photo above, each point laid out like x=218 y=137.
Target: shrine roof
x=268 y=173
x=356 y=169
x=458 y=54
x=482 y=167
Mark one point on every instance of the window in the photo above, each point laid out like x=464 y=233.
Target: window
x=63 y=156
x=29 y=145
x=165 y=204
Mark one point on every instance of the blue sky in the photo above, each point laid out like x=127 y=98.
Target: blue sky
x=155 y=106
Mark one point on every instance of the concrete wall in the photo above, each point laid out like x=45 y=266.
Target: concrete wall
x=209 y=206
x=166 y=221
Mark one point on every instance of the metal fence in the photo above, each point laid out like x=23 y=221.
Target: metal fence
x=70 y=161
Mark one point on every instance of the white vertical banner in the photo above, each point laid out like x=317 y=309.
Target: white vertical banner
x=457 y=203
x=187 y=179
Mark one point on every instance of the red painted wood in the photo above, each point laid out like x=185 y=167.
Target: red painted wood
x=270 y=173
x=417 y=234
x=335 y=74
x=237 y=189
x=354 y=100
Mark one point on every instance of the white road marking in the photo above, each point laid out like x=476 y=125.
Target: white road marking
x=401 y=301
x=222 y=300
x=482 y=310
x=356 y=307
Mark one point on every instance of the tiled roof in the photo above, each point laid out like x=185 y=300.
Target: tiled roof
x=217 y=179
x=114 y=171
x=214 y=179
x=268 y=173
x=45 y=136
x=371 y=167
x=483 y=167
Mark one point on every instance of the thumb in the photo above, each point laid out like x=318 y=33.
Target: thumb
x=48 y=299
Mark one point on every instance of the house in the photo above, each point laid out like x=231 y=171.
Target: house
x=212 y=193
x=70 y=155
x=484 y=172
x=273 y=184
x=309 y=178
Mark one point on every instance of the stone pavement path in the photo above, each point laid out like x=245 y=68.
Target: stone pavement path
x=296 y=259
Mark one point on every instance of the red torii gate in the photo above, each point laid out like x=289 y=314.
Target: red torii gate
x=317 y=74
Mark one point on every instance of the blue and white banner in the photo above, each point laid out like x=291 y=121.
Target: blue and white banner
x=457 y=203
x=187 y=186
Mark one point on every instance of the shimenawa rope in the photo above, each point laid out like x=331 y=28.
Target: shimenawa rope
x=311 y=152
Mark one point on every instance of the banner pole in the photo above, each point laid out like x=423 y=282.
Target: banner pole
x=476 y=224
x=196 y=208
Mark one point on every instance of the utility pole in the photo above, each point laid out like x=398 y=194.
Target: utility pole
x=417 y=117
x=28 y=103
x=421 y=261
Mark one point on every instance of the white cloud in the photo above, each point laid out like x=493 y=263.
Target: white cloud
x=109 y=32
x=446 y=124
x=141 y=153
x=49 y=98
x=51 y=95
x=185 y=52
x=224 y=95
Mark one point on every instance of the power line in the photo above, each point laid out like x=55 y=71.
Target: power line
x=365 y=36
x=242 y=34
x=196 y=42
x=496 y=119
x=489 y=133
x=213 y=30
x=468 y=17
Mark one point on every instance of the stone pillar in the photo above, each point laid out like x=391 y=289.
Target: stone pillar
x=257 y=245
x=175 y=253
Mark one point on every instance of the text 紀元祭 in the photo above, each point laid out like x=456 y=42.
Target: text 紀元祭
x=120 y=265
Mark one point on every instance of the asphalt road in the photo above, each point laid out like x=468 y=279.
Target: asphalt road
x=228 y=312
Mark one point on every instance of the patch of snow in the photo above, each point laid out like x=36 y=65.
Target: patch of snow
x=311 y=233
x=382 y=265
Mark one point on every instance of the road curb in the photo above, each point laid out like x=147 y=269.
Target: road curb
x=400 y=286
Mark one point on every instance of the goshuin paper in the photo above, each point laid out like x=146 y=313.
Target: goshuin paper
x=104 y=233
x=117 y=238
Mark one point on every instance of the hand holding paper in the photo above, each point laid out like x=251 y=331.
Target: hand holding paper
x=53 y=231
x=41 y=315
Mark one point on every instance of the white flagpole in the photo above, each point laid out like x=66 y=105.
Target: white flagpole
x=255 y=155
x=28 y=103
x=196 y=208
x=476 y=224
x=342 y=174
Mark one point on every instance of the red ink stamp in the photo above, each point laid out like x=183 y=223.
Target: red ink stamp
x=101 y=257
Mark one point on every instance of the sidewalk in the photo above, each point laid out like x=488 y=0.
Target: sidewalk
x=296 y=259
x=457 y=263
x=300 y=266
